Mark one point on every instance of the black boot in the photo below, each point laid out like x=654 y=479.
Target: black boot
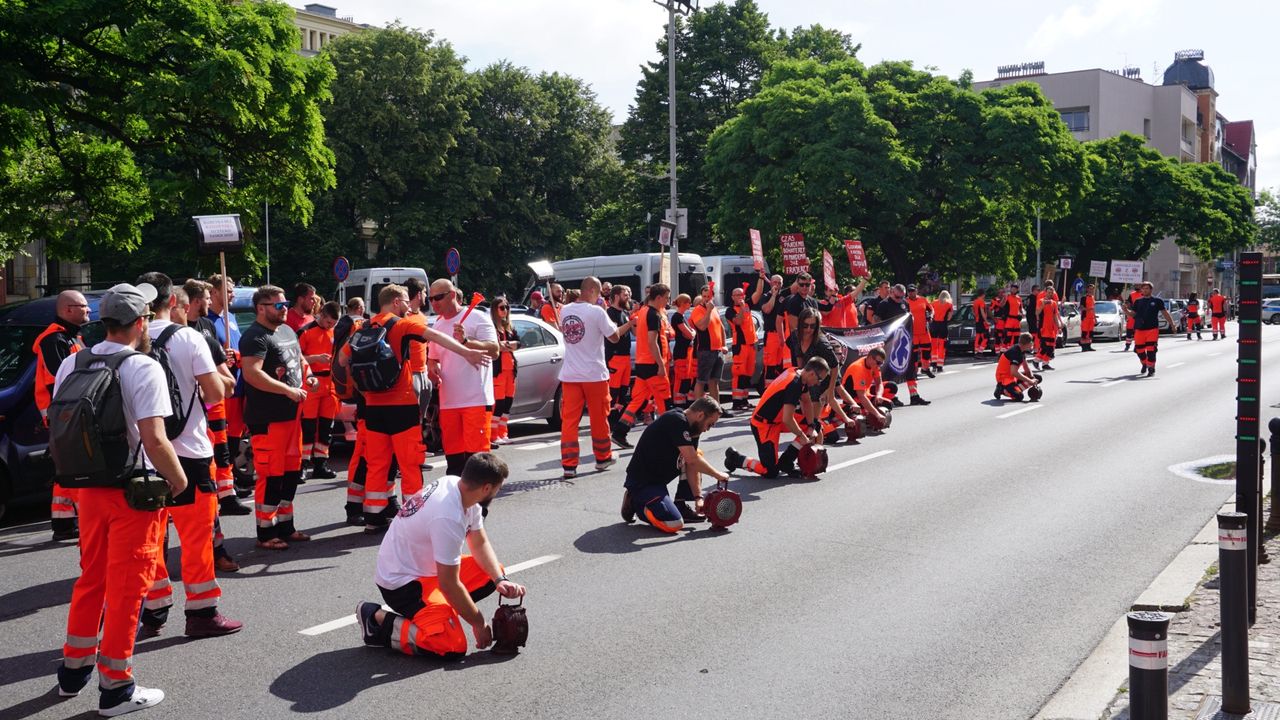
x=321 y=471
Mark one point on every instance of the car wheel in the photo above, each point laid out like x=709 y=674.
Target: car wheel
x=242 y=469
x=1275 y=319
x=554 y=418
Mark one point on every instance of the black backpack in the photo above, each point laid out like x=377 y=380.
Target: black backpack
x=177 y=422
x=375 y=366
x=88 y=437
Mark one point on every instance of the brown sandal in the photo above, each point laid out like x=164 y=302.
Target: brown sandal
x=273 y=544
x=299 y=536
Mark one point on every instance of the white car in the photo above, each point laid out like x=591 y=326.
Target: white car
x=1270 y=311
x=1111 y=320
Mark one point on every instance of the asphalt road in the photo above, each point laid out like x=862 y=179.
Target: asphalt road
x=959 y=566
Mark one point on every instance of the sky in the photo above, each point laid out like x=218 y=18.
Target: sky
x=605 y=42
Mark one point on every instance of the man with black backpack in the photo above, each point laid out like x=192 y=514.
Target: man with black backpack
x=193 y=380
x=376 y=356
x=113 y=399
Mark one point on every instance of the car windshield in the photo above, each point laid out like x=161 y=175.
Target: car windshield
x=1106 y=307
x=15 y=351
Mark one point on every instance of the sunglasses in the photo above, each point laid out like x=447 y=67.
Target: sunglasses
x=803 y=284
x=438 y=298
x=277 y=305
x=810 y=326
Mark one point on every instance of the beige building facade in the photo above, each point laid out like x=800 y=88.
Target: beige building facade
x=1178 y=117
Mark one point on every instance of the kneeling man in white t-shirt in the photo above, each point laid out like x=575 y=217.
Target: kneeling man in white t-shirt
x=430 y=587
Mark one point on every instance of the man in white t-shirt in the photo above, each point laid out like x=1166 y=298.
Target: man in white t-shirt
x=466 y=390
x=186 y=354
x=118 y=544
x=584 y=379
x=422 y=574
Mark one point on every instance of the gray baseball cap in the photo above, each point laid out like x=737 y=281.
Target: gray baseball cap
x=125 y=303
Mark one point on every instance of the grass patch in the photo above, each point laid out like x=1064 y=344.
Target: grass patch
x=1219 y=471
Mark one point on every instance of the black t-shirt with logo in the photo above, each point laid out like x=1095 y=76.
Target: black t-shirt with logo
x=739 y=337
x=204 y=326
x=656 y=460
x=888 y=308
x=282 y=360
x=623 y=345
x=1146 y=313
x=681 y=349
x=797 y=303
x=770 y=317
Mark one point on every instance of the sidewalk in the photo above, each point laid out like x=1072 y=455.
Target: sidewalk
x=1195 y=648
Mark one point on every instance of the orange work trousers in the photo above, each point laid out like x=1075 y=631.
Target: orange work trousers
x=222 y=475
x=744 y=368
x=655 y=389
x=434 y=627
x=382 y=442
x=465 y=430
x=63 y=506
x=574 y=397
x=194 y=524
x=277 y=466
x=118 y=551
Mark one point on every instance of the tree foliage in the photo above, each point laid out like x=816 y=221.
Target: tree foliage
x=924 y=171
x=1140 y=197
x=1267 y=216
x=114 y=113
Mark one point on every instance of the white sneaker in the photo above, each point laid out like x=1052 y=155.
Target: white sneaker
x=606 y=464
x=142 y=698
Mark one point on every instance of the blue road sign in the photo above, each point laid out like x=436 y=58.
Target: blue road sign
x=341 y=269
x=452 y=261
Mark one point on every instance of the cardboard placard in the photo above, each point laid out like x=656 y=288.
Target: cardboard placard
x=1097 y=268
x=794 y=258
x=757 y=249
x=1126 y=271
x=857 y=258
x=829 y=270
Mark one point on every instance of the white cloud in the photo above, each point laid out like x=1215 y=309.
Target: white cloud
x=1077 y=22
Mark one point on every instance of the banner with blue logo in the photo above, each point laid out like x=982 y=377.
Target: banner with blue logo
x=892 y=335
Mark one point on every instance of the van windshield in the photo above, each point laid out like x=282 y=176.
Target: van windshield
x=691 y=282
x=735 y=280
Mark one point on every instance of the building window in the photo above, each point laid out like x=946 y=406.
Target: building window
x=314 y=41
x=1146 y=128
x=1077 y=119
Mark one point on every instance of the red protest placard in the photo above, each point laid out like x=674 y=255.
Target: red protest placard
x=794 y=258
x=829 y=271
x=757 y=249
x=857 y=258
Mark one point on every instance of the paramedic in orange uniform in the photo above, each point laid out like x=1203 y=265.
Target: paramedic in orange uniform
x=504 y=372
x=55 y=344
x=321 y=405
x=942 y=310
x=775 y=412
x=1013 y=376
x=920 y=340
x=1218 y=314
x=743 y=327
x=1088 y=319
x=652 y=332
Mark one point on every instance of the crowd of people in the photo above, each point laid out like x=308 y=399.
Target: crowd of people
x=190 y=384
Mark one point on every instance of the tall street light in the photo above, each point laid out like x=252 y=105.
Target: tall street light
x=674 y=7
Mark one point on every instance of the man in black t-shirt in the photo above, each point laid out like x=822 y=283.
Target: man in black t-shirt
x=617 y=353
x=682 y=370
x=667 y=450
x=772 y=306
x=1013 y=377
x=1146 y=313
x=775 y=412
x=273 y=370
x=802 y=299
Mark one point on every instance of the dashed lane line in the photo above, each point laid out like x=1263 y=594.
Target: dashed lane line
x=1177 y=364
x=351 y=619
x=1019 y=411
x=855 y=461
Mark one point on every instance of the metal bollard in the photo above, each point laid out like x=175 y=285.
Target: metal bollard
x=1273 y=521
x=1233 y=591
x=1149 y=665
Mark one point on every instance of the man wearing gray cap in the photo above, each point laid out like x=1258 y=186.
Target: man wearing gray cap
x=118 y=544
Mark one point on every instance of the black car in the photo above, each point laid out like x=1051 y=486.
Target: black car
x=25 y=468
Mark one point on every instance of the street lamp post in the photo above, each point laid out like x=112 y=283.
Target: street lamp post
x=673 y=7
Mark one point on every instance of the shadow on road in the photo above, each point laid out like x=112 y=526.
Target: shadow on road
x=28 y=600
x=621 y=539
x=333 y=679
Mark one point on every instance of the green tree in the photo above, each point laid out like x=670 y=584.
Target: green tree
x=114 y=113
x=1267 y=216
x=924 y=171
x=1138 y=197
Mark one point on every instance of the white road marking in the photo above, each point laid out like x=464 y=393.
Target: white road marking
x=1176 y=365
x=1215 y=354
x=855 y=461
x=1019 y=411
x=536 y=446
x=979 y=367
x=351 y=619
x=1188 y=469
x=1114 y=382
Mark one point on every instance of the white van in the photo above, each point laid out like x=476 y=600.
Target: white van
x=636 y=271
x=729 y=272
x=368 y=282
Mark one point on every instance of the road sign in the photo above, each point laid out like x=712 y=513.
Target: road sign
x=828 y=270
x=452 y=261
x=757 y=249
x=1097 y=268
x=857 y=258
x=794 y=258
x=1064 y=263
x=341 y=269
x=680 y=220
x=1078 y=285
x=1126 y=271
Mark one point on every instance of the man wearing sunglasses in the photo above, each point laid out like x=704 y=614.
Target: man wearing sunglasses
x=776 y=412
x=466 y=388
x=55 y=344
x=773 y=310
x=863 y=381
x=803 y=298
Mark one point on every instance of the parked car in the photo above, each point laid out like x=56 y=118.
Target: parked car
x=1178 y=311
x=1271 y=311
x=960 y=331
x=25 y=468
x=1111 y=320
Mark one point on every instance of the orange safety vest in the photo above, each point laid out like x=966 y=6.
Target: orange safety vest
x=779 y=384
x=644 y=355
x=940 y=310
x=44 y=378
x=919 y=315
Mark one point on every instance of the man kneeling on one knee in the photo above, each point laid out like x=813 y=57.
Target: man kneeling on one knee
x=429 y=586
x=667 y=449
